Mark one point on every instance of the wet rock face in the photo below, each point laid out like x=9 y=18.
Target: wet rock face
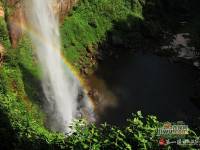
x=1 y=11
x=16 y=17
x=64 y=6
x=1 y=53
x=1 y=46
x=15 y=20
x=182 y=49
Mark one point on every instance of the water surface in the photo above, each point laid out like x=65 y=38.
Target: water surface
x=150 y=83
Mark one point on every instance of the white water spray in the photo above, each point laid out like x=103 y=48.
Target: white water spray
x=59 y=85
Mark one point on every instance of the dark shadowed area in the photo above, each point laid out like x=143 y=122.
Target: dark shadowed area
x=152 y=84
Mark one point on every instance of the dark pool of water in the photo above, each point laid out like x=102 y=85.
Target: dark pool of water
x=151 y=84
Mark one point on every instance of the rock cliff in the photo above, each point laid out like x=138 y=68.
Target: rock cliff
x=15 y=16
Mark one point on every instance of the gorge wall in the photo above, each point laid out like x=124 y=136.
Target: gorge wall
x=15 y=16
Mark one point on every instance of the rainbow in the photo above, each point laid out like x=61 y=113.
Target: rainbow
x=28 y=29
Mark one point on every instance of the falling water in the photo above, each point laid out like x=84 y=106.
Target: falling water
x=59 y=85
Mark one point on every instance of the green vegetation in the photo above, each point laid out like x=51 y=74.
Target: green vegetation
x=4 y=39
x=21 y=119
x=88 y=24
x=24 y=121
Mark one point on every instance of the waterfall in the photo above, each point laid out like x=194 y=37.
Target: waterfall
x=60 y=87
